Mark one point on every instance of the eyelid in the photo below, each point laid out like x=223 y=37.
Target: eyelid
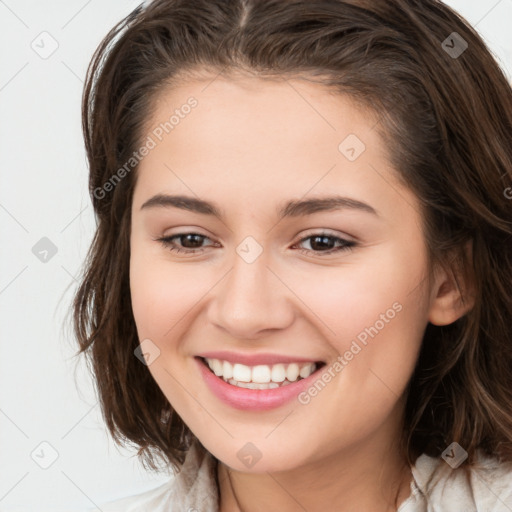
x=346 y=243
x=185 y=230
x=308 y=233
x=326 y=232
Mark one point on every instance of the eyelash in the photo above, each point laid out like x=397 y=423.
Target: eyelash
x=168 y=243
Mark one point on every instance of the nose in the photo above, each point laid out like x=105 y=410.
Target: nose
x=251 y=300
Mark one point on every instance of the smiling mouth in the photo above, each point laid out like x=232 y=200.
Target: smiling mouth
x=261 y=376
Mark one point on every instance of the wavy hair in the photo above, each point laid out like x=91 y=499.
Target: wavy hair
x=445 y=110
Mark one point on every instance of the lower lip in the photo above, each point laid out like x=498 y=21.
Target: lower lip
x=253 y=399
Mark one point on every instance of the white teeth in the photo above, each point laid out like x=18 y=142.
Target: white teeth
x=261 y=376
x=292 y=372
x=278 y=373
x=254 y=385
x=241 y=373
x=216 y=367
x=307 y=370
x=227 y=370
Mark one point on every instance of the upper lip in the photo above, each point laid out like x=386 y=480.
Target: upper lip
x=255 y=359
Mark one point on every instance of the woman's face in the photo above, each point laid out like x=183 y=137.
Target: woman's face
x=308 y=251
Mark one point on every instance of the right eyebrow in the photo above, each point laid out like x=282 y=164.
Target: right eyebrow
x=184 y=202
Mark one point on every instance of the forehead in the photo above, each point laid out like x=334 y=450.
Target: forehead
x=256 y=139
x=288 y=108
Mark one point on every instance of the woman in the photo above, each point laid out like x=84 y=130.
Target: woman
x=298 y=295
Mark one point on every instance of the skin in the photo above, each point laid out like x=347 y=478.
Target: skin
x=249 y=146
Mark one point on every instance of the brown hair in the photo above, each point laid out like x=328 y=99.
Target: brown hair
x=447 y=120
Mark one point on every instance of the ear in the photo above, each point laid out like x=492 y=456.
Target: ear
x=453 y=292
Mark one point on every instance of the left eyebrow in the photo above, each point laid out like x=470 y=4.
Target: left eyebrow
x=292 y=208
x=322 y=204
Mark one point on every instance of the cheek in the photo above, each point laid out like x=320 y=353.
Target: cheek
x=373 y=313
x=162 y=294
x=353 y=296
x=163 y=299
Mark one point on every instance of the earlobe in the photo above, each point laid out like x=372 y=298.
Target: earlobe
x=453 y=295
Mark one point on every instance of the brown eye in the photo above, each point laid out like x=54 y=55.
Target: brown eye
x=322 y=243
x=188 y=242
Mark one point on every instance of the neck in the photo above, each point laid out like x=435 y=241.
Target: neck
x=361 y=478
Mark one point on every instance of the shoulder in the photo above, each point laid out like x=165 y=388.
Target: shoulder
x=486 y=487
x=193 y=488
x=155 y=499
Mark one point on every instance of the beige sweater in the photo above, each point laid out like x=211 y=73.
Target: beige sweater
x=194 y=489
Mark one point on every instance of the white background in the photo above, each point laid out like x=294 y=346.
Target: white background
x=46 y=395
